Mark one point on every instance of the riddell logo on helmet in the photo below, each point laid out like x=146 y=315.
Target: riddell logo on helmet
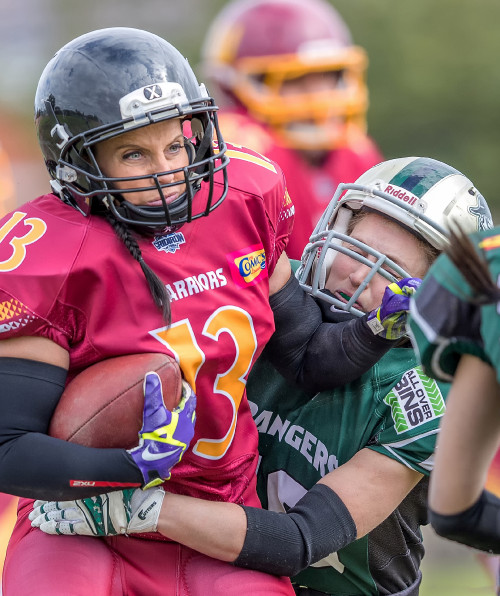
x=401 y=193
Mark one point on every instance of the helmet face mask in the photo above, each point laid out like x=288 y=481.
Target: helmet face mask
x=426 y=197
x=255 y=48
x=112 y=81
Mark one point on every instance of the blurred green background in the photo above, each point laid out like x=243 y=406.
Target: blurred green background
x=434 y=89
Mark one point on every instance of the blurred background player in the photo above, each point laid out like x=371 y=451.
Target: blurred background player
x=292 y=86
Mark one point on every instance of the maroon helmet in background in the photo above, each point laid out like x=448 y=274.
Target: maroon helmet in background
x=255 y=50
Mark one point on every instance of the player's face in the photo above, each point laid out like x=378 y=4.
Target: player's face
x=313 y=84
x=387 y=237
x=149 y=150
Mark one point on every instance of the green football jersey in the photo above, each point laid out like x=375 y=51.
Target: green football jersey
x=443 y=322
x=393 y=409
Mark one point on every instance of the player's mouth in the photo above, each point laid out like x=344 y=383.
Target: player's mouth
x=343 y=297
x=170 y=198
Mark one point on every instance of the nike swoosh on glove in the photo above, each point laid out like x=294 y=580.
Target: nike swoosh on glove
x=165 y=435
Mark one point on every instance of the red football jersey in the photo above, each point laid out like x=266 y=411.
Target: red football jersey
x=311 y=188
x=70 y=279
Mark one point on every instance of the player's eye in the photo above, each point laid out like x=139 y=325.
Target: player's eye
x=355 y=249
x=135 y=154
x=393 y=273
x=175 y=148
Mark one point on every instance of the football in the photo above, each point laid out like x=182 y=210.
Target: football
x=103 y=405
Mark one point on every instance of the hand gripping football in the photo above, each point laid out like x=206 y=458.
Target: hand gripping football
x=103 y=405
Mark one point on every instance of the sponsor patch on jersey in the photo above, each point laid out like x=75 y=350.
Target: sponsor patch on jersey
x=490 y=243
x=415 y=400
x=170 y=242
x=401 y=194
x=248 y=265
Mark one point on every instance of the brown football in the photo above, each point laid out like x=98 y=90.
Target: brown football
x=103 y=405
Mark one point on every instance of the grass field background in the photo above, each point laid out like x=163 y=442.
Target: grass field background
x=450 y=569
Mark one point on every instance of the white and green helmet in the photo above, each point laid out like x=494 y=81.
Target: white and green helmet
x=424 y=195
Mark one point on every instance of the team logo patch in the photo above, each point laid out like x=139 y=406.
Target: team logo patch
x=170 y=242
x=248 y=265
x=415 y=400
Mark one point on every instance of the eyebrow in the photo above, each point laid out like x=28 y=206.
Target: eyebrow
x=132 y=144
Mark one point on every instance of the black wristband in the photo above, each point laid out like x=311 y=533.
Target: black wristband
x=478 y=526
x=287 y=543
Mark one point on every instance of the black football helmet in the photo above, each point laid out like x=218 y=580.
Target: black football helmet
x=108 y=82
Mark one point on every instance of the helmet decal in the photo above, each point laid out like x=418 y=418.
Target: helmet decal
x=481 y=211
x=254 y=48
x=420 y=175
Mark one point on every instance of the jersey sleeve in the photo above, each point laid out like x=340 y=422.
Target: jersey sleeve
x=410 y=414
x=34 y=260
x=443 y=322
x=280 y=212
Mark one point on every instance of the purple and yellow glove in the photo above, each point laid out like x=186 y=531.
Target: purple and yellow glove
x=165 y=434
x=389 y=319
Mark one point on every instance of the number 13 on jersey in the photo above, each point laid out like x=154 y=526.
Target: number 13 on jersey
x=230 y=383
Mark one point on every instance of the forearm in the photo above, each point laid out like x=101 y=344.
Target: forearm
x=339 y=353
x=318 y=354
x=212 y=528
x=468 y=438
x=35 y=465
x=277 y=543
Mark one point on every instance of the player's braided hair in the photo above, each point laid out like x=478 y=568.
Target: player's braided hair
x=473 y=266
x=156 y=287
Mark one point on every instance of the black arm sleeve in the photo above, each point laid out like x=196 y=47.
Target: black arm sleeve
x=287 y=543
x=478 y=526
x=37 y=466
x=319 y=355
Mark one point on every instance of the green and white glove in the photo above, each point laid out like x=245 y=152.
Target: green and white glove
x=127 y=511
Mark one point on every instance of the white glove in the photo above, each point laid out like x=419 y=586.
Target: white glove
x=121 y=512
